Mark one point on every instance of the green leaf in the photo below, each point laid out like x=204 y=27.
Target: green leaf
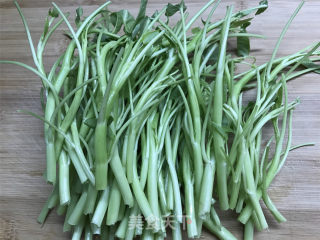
x=309 y=64
x=141 y=20
x=242 y=22
x=53 y=12
x=139 y=27
x=128 y=20
x=79 y=13
x=116 y=21
x=243 y=46
x=172 y=9
x=142 y=10
x=261 y=10
x=107 y=19
x=244 y=13
x=243 y=43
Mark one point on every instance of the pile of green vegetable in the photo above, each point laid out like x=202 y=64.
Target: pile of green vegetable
x=144 y=121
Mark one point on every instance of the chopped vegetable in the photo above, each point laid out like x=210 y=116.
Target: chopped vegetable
x=144 y=121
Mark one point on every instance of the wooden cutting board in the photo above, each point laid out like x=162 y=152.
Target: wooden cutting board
x=23 y=191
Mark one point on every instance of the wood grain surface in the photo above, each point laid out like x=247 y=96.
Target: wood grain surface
x=23 y=191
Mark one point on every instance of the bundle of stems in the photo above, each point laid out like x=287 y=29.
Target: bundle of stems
x=145 y=124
